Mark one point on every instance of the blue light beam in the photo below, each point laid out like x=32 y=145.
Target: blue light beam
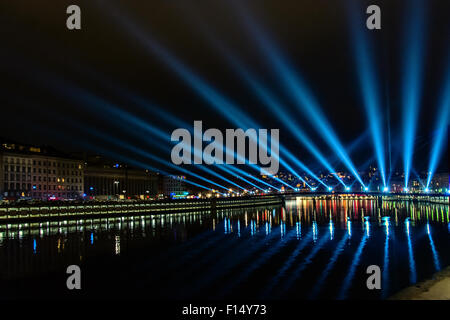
x=369 y=88
x=219 y=102
x=442 y=123
x=411 y=90
x=298 y=91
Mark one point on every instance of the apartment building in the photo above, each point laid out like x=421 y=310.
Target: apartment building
x=31 y=172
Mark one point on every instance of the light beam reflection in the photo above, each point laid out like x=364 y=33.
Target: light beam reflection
x=437 y=264
x=412 y=262
x=351 y=273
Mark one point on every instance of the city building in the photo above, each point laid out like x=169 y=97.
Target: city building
x=115 y=181
x=30 y=172
x=174 y=186
x=440 y=182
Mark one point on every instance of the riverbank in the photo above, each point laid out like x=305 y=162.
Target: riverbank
x=73 y=211
x=437 y=288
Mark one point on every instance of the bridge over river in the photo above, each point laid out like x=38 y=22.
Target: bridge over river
x=421 y=197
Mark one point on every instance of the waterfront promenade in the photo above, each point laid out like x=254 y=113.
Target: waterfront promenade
x=67 y=210
x=45 y=211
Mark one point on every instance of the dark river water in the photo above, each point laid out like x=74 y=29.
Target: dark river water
x=310 y=249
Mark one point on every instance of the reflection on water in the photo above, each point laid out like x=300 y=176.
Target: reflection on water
x=309 y=249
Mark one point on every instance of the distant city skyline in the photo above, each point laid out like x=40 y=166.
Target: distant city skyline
x=28 y=171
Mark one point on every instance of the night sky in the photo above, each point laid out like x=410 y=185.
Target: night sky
x=50 y=75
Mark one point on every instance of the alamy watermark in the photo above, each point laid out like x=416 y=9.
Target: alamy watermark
x=374 y=280
x=74 y=279
x=237 y=141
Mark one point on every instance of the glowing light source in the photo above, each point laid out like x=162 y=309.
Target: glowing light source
x=367 y=226
x=330 y=189
x=385 y=189
x=366 y=189
x=347 y=188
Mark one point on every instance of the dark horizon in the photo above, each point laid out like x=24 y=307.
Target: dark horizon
x=58 y=85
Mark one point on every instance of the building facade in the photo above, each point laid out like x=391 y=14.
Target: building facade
x=106 y=182
x=28 y=172
x=174 y=186
x=440 y=182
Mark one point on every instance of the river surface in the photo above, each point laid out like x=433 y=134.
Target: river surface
x=309 y=249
